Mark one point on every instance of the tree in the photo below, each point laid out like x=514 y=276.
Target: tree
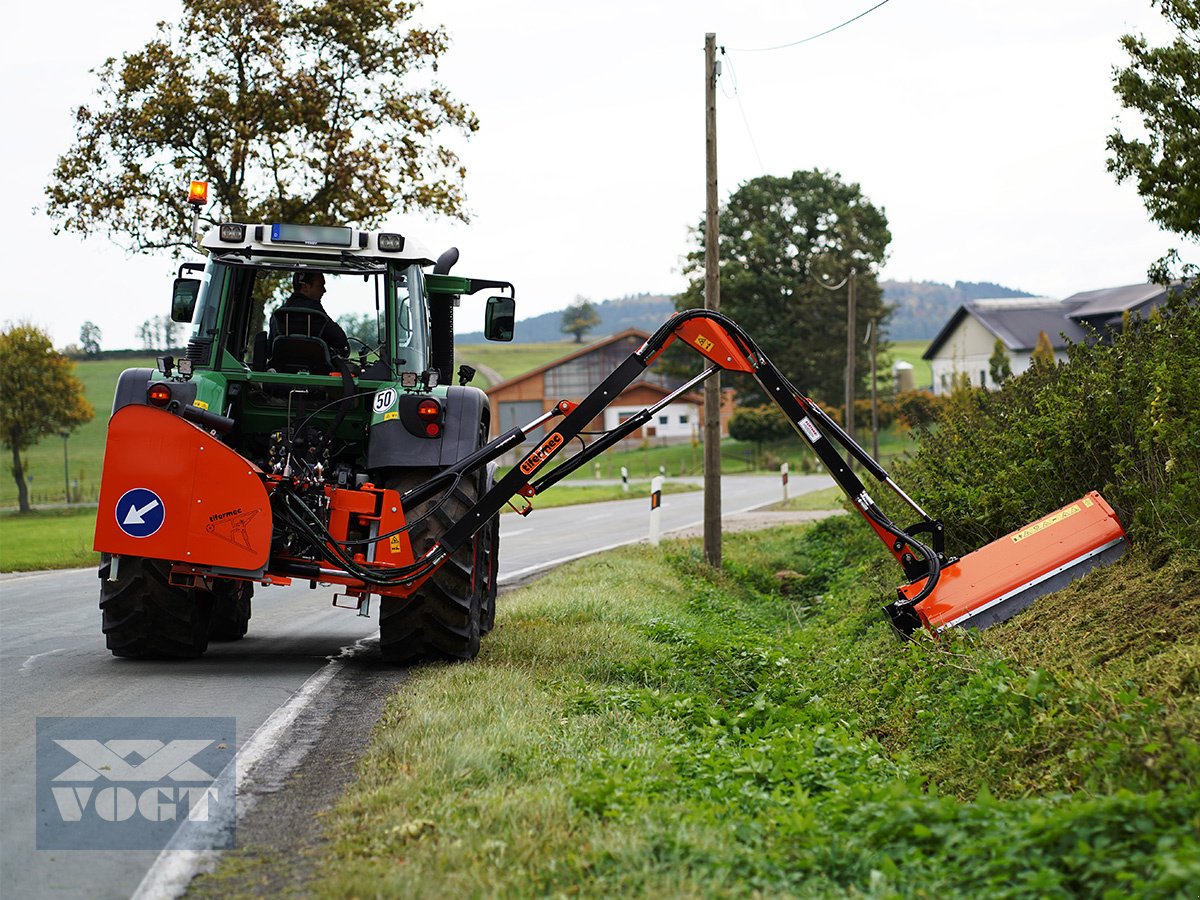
x=89 y=338
x=1162 y=84
x=779 y=236
x=41 y=395
x=999 y=365
x=364 y=328
x=759 y=424
x=293 y=111
x=1043 y=351
x=579 y=318
x=158 y=333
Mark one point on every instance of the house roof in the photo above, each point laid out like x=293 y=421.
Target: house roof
x=1113 y=301
x=1017 y=322
x=583 y=351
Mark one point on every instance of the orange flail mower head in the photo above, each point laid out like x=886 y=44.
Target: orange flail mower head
x=997 y=581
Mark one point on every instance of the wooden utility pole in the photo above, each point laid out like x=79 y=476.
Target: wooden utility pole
x=873 y=338
x=712 y=301
x=850 y=350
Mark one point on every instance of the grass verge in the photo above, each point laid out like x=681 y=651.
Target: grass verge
x=637 y=725
x=568 y=494
x=47 y=539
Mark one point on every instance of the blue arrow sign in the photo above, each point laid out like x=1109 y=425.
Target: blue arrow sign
x=140 y=512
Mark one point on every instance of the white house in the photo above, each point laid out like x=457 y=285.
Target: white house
x=967 y=341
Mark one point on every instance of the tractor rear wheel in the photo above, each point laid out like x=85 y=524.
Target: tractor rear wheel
x=143 y=615
x=443 y=619
x=230 y=610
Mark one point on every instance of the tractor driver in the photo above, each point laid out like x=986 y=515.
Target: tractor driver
x=307 y=290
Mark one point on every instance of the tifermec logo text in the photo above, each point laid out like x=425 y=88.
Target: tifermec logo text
x=129 y=783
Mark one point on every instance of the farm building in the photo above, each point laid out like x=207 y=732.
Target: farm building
x=519 y=400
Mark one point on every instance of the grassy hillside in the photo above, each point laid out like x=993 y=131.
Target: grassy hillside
x=513 y=359
x=640 y=726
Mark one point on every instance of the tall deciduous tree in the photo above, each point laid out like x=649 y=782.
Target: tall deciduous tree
x=89 y=338
x=41 y=396
x=1162 y=84
x=579 y=318
x=779 y=237
x=296 y=111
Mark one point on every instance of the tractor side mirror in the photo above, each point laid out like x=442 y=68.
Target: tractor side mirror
x=183 y=299
x=500 y=318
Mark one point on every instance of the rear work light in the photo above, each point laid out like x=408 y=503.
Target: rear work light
x=390 y=243
x=158 y=394
x=233 y=234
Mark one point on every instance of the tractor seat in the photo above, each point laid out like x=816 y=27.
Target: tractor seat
x=296 y=346
x=297 y=353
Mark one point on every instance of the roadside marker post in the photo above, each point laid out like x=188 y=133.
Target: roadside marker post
x=783 y=474
x=656 y=486
x=624 y=479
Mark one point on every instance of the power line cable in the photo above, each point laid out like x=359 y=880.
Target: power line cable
x=812 y=37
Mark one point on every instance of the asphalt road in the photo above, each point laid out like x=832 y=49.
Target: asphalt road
x=53 y=664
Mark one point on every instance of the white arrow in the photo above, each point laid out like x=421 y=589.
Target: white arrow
x=134 y=516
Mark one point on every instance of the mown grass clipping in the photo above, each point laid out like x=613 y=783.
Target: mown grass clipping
x=638 y=725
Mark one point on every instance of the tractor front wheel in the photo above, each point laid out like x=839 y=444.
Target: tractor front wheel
x=143 y=615
x=230 y=610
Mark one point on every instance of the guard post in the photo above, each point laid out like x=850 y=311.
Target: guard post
x=656 y=486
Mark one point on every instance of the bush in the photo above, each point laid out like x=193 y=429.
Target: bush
x=915 y=409
x=1120 y=417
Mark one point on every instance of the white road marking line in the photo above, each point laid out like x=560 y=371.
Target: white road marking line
x=27 y=666
x=190 y=849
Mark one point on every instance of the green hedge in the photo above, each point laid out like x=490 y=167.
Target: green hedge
x=1122 y=418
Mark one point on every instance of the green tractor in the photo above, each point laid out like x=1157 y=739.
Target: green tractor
x=279 y=446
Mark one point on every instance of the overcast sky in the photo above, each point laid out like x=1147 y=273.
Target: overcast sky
x=978 y=125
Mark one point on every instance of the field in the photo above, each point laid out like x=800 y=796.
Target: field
x=84 y=448
x=511 y=360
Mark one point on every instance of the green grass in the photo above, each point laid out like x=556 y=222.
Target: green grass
x=47 y=539
x=511 y=360
x=85 y=446
x=639 y=726
x=829 y=498
x=910 y=352
x=568 y=494
x=737 y=457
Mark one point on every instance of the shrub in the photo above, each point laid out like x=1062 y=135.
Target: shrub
x=1120 y=417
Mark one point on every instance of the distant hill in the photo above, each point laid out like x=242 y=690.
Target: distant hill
x=644 y=311
x=921 y=309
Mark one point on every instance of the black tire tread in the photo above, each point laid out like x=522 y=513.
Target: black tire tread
x=230 y=610
x=144 y=616
x=442 y=620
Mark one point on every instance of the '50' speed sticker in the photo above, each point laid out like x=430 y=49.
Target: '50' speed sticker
x=385 y=400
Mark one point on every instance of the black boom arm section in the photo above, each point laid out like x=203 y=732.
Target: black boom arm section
x=727 y=347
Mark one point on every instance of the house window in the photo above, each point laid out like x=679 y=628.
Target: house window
x=982 y=378
x=683 y=420
x=664 y=420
